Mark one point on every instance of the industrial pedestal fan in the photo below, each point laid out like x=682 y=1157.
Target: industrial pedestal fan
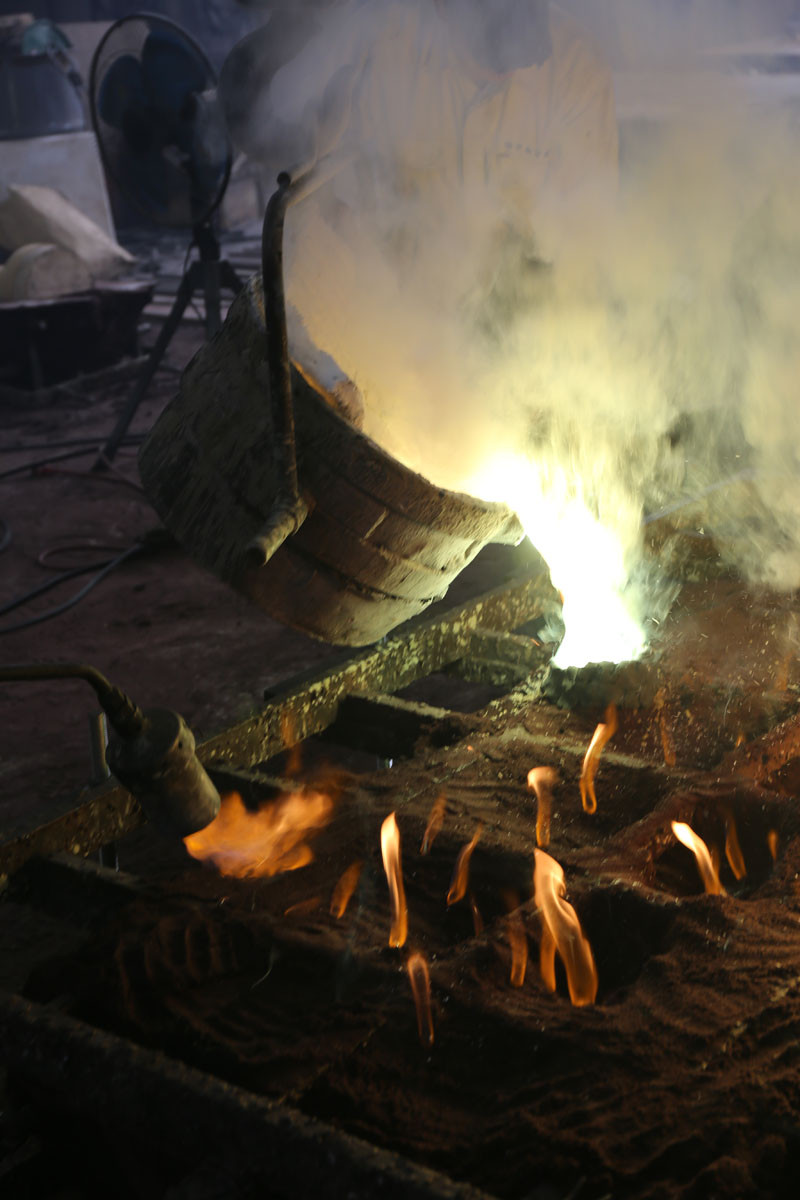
x=164 y=143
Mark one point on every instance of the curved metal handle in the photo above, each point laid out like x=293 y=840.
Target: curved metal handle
x=288 y=510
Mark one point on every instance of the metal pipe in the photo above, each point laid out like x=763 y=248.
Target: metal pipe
x=98 y=737
x=152 y=753
x=126 y=718
x=288 y=511
x=98 y=740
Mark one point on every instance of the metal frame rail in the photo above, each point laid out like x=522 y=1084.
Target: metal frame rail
x=307 y=705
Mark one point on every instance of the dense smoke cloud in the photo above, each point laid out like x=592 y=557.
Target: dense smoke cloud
x=642 y=33
x=642 y=355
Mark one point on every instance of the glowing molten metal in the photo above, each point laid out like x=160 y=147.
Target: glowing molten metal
x=541 y=781
x=420 y=979
x=249 y=845
x=390 y=851
x=708 y=873
x=603 y=734
x=587 y=557
x=562 y=932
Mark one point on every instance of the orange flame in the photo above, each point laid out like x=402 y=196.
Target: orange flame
x=603 y=734
x=344 y=889
x=435 y=822
x=733 y=850
x=562 y=932
x=303 y=907
x=710 y=877
x=772 y=842
x=477 y=919
x=390 y=851
x=420 y=979
x=518 y=941
x=458 y=884
x=249 y=844
x=716 y=860
x=542 y=780
x=292 y=743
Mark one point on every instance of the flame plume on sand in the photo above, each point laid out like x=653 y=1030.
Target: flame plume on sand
x=344 y=889
x=709 y=873
x=458 y=884
x=518 y=941
x=562 y=932
x=435 y=822
x=419 y=977
x=392 y=865
x=541 y=781
x=591 y=760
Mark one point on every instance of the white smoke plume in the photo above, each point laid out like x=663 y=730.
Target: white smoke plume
x=608 y=363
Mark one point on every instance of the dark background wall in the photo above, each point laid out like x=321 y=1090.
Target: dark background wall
x=216 y=24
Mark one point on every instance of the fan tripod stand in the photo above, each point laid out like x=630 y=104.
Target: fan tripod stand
x=208 y=273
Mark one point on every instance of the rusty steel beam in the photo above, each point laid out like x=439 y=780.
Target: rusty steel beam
x=104 y=814
x=393 y=663
x=101 y=815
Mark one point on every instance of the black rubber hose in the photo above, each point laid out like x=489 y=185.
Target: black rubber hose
x=91 y=440
x=125 y=716
x=79 y=595
x=49 y=584
x=43 y=462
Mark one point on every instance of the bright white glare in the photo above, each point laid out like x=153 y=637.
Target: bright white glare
x=586 y=559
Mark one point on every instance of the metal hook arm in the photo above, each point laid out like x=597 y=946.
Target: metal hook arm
x=288 y=510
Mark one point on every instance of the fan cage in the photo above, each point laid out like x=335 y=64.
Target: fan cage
x=165 y=179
